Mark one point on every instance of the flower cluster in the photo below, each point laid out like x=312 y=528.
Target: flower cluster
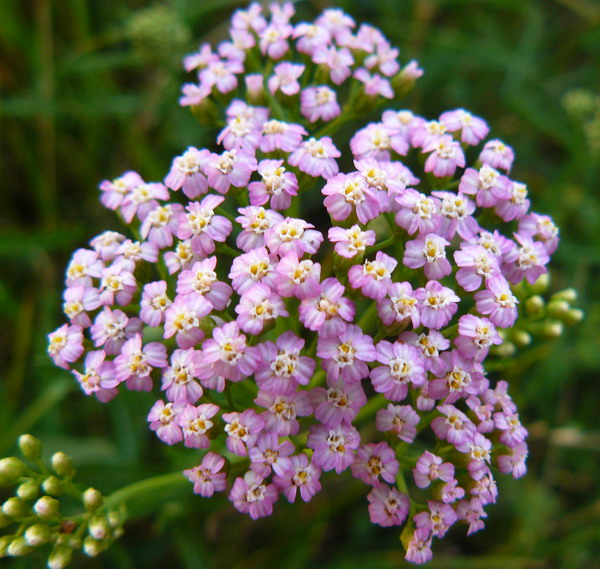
x=35 y=509
x=270 y=338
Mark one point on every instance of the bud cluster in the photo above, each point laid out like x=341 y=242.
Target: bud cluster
x=296 y=347
x=33 y=515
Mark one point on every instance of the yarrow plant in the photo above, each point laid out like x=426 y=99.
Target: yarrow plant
x=296 y=348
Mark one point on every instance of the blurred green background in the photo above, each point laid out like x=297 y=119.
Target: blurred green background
x=89 y=89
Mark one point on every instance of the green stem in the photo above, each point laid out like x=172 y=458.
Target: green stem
x=141 y=488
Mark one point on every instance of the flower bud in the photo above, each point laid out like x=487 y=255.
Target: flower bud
x=28 y=490
x=568 y=295
x=534 y=305
x=53 y=486
x=505 y=350
x=30 y=447
x=91 y=547
x=558 y=308
x=114 y=519
x=15 y=508
x=19 y=547
x=62 y=464
x=47 y=508
x=4 y=543
x=92 y=499
x=5 y=520
x=521 y=338
x=11 y=469
x=98 y=527
x=37 y=534
x=552 y=329
x=60 y=557
x=573 y=316
x=542 y=284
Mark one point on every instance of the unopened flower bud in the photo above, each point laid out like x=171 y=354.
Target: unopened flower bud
x=404 y=82
x=11 y=469
x=74 y=542
x=47 y=508
x=534 y=305
x=30 y=447
x=60 y=557
x=552 y=329
x=4 y=543
x=558 y=308
x=573 y=316
x=542 y=284
x=53 y=486
x=92 y=499
x=98 y=527
x=505 y=350
x=5 y=520
x=521 y=338
x=15 y=508
x=37 y=534
x=91 y=546
x=18 y=547
x=568 y=295
x=28 y=490
x=114 y=519
x=62 y=464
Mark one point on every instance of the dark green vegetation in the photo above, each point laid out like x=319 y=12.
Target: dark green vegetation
x=89 y=90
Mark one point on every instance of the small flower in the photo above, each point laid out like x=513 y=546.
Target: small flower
x=206 y=477
x=387 y=506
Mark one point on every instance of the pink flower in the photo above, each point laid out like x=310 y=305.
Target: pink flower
x=300 y=476
x=182 y=319
x=258 y=305
x=475 y=336
x=300 y=279
x=279 y=135
x=78 y=301
x=338 y=62
x=112 y=328
x=195 y=422
x=316 y=157
x=273 y=40
x=387 y=506
x=417 y=212
x=496 y=154
x=517 y=204
x=187 y=173
x=476 y=264
x=377 y=141
x=487 y=184
x=231 y=168
x=154 y=303
x=374 y=84
x=329 y=311
x=401 y=420
x=255 y=222
x=446 y=155
x=221 y=74
x=429 y=467
x=418 y=549
x=142 y=200
x=339 y=403
x=99 y=376
x=454 y=426
x=428 y=251
x=345 y=355
x=374 y=278
x=113 y=193
x=351 y=242
x=282 y=411
x=438 y=519
x=277 y=185
x=528 y=261
x=206 y=477
x=227 y=354
x=282 y=368
x=375 y=462
x=498 y=302
x=135 y=363
x=349 y=194
x=319 y=103
x=542 y=228
x=402 y=366
x=473 y=129
x=286 y=78
x=295 y=235
x=471 y=511
x=163 y=420
x=437 y=304
x=399 y=304
x=203 y=226
x=179 y=379
x=271 y=455
x=201 y=279
x=333 y=447
x=242 y=430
